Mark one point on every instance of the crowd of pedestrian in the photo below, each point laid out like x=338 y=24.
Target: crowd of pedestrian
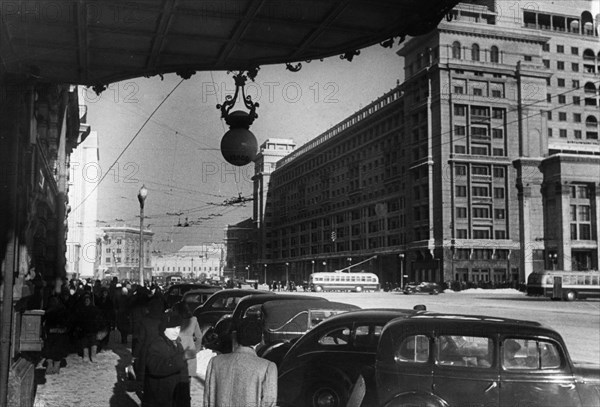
x=79 y=316
x=165 y=345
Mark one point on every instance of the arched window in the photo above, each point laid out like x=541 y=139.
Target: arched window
x=589 y=88
x=456 y=50
x=591 y=121
x=589 y=54
x=475 y=52
x=494 y=54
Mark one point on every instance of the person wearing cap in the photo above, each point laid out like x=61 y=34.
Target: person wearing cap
x=166 y=371
x=241 y=378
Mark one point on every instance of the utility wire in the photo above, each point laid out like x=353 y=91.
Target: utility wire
x=130 y=143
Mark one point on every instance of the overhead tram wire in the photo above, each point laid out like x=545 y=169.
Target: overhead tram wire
x=130 y=143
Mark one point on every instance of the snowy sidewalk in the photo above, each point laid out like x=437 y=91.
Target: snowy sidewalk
x=99 y=384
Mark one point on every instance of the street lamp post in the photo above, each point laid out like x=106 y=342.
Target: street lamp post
x=248 y=271
x=313 y=266
x=143 y=192
x=349 y=260
x=265 y=273
x=287 y=281
x=325 y=266
x=401 y=255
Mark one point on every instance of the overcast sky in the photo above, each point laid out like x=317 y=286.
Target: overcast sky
x=176 y=154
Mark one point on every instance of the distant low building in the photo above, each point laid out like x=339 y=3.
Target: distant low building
x=205 y=261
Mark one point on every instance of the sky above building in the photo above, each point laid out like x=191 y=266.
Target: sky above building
x=166 y=133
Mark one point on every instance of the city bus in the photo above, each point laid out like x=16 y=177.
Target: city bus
x=564 y=285
x=339 y=281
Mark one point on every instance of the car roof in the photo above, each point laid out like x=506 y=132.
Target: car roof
x=251 y=300
x=277 y=312
x=377 y=314
x=194 y=285
x=202 y=291
x=480 y=324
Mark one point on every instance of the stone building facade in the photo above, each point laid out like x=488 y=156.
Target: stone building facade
x=482 y=166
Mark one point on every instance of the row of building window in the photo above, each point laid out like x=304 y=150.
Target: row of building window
x=475 y=52
x=480 y=191
x=482 y=170
x=178 y=268
x=578 y=134
x=588 y=54
x=560 y=66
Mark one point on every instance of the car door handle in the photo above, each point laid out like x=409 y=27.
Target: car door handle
x=569 y=386
x=492 y=385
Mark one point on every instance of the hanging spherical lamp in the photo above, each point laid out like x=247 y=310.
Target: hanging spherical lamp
x=239 y=146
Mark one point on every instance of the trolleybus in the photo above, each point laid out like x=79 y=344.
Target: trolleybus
x=340 y=281
x=564 y=285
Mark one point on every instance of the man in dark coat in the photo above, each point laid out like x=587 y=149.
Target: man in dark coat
x=88 y=320
x=166 y=367
x=150 y=329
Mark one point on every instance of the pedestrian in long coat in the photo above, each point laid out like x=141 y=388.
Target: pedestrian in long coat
x=56 y=329
x=166 y=367
x=150 y=329
x=241 y=378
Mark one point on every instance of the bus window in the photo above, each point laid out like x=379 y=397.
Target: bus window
x=588 y=280
x=337 y=278
x=566 y=280
x=595 y=280
x=353 y=278
x=362 y=278
x=580 y=280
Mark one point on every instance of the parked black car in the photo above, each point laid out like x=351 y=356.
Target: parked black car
x=424 y=288
x=198 y=296
x=221 y=303
x=175 y=292
x=221 y=340
x=456 y=360
x=321 y=366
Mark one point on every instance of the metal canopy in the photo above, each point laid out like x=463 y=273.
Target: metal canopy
x=95 y=42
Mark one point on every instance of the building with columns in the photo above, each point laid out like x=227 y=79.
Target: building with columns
x=483 y=165
x=204 y=261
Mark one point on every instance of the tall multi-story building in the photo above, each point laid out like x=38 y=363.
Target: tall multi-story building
x=203 y=261
x=83 y=199
x=118 y=251
x=483 y=165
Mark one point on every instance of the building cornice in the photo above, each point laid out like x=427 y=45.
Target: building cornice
x=501 y=33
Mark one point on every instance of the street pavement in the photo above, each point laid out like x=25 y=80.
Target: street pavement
x=96 y=384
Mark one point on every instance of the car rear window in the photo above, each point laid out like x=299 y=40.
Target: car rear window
x=414 y=349
x=458 y=350
x=529 y=354
x=336 y=337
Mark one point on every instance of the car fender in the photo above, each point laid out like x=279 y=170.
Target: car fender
x=416 y=399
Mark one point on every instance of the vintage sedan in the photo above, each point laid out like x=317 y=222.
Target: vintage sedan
x=321 y=366
x=442 y=360
x=220 y=338
x=221 y=303
x=175 y=292
x=196 y=297
x=424 y=288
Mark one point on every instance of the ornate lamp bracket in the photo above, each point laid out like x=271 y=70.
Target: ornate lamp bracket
x=239 y=120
